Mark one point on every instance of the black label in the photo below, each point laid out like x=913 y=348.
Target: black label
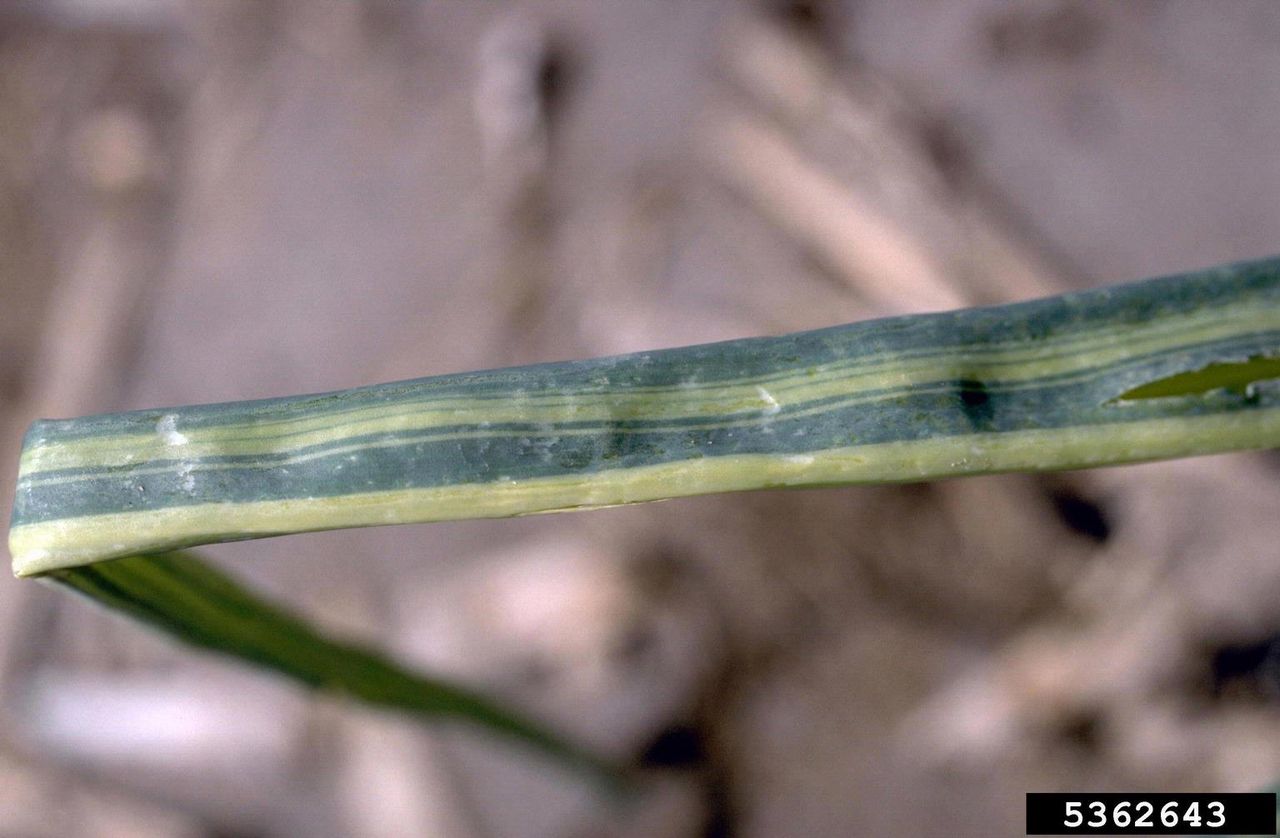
x=1151 y=814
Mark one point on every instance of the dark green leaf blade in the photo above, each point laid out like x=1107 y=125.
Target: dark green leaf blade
x=186 y=597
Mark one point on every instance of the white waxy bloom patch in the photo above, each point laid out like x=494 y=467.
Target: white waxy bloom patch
x=167 y=428
x=771 y=405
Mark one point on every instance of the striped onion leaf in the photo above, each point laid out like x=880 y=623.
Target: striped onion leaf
x=1168 y=367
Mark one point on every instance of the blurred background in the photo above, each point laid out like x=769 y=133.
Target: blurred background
x=208 y=201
